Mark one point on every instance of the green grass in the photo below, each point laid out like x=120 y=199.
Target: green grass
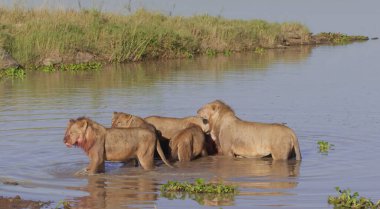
x=199 y=186
x=90 y=66
x=63 y=204
x=34 y=35
x=324 y=146
x=339 y=38
x=200 y=191
x=13 y=72
x=347 y=200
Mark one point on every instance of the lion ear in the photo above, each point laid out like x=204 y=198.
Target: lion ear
x=71 y=121
x=213 y=107
x=115 y=113
x=83 y=124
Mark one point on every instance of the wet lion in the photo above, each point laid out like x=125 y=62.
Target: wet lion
x=112 y=144
x=188 y=144
x=248 y=139
x=126 y=120
x=169 y=126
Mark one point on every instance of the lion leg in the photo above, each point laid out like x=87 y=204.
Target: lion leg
x=146 y=157
x=281 y=152
x=96 y=166
x=184 y=152
x=96 y=156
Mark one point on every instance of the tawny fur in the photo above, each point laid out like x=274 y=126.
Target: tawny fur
x=188 y=144
x=126 y=120
x=112 y=144
x=169 y=126
x=248 y=139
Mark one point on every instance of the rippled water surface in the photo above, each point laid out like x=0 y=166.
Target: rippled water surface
x=326 y=93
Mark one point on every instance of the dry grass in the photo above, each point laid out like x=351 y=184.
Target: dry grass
x=32 y=35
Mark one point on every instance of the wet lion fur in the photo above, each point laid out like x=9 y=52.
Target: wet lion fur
x=188 y=144
x=169 y=126
x=248 y=139
x=112 y=144
x=127 y=120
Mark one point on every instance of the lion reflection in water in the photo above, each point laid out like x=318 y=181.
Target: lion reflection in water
x=110 y=192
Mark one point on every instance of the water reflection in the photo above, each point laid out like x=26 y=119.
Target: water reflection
x=203 y=199
x=134 y=188
x=147 y=74
x=110 y=192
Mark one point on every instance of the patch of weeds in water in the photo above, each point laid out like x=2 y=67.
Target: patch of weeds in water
x=259 y=50
x=324 y=146
x=211 y=52
x=63 y=204
x=339 y=38
x=47 y=68
x=347 y=200
x=91 y=66
x=199 y=186
x=227 y=53
x=12 y=72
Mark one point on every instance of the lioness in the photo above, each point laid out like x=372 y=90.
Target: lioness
x=248 y=139
x=188 y=144
x=126 y=120
x=170 y=126
x=112 y=144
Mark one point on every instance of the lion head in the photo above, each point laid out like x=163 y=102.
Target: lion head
x=120 y=119
x=126 y=120
x=79 y=133
x=211 y=110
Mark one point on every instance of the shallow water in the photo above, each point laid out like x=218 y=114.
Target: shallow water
x=325 y=93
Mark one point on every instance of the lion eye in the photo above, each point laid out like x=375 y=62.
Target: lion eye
x=205 y=121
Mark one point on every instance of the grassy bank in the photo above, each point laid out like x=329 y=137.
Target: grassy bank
x=33 y=36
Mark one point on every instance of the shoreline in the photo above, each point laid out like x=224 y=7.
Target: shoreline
x=83 y=40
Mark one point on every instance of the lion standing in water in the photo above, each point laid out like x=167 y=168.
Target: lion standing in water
x=249 y=139
x=188 y=144
x=112 y=144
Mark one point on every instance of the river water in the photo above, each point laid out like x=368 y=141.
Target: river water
x=326 y=93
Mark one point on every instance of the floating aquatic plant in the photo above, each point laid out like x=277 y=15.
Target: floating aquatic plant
x=324 y=146
x=347 y=200
x=199 y=186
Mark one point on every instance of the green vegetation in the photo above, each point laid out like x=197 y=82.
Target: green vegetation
x=339 y=38
x=199 y=186
x=324 y=146
x=200 y=191
x=347 y=200
x=13 y=72
x=63 y=204
x=31 y=36
x=90 y=66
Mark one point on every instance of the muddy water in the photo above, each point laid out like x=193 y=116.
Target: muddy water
x=326 y=93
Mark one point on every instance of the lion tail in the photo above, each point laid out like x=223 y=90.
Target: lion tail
x=161 y=153
x=297 y=149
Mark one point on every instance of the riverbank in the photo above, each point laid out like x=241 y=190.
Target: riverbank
x=18 y=202
x=32 y=39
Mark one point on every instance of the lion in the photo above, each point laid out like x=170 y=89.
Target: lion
x=248 y=139
x=169 y=126
x=126 y=120
x=188 y=144
x=112 y=144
